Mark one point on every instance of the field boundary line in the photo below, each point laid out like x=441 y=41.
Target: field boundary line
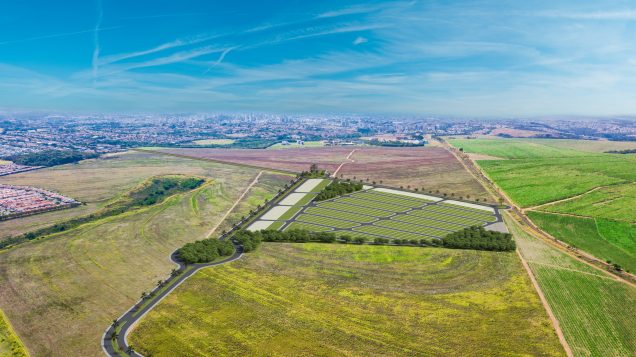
x=230 y=163
x=565 y=199
x=343 y=163
x=236 y=203
x=546 y=306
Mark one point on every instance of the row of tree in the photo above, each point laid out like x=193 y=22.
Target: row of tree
x=338 y=188
x=249 y=240
x=298 y=236
x=479 y=238
x=205 y=251
x=50 y=157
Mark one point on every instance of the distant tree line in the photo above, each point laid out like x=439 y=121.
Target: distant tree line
x=393 y=143
x=50 y=157
x=479 y=238
x=338 y=188
x=628 y=151
x=314 y=172
x=297 y=236
x=205 y=251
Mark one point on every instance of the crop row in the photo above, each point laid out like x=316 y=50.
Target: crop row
x=331 y=222
x=339 y=214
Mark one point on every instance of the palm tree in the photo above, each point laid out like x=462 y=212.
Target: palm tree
x=115 y=323
x=144 y=295
x=130 y=350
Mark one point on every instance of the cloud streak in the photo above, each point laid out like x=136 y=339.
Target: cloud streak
x=95 y=59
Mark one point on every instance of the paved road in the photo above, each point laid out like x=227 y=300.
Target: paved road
x=130 y=317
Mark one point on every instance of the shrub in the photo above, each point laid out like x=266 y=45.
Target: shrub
x=338 y=188
x=205 y=251
x=479 y=238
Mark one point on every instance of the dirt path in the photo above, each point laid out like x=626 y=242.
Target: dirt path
x=335 y=173
x=546 y=306
x=238 y=200
x=565 y=199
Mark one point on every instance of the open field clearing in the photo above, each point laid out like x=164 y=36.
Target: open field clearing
x=613 y=202
x=594 y=311
x=214 y=142
x=83 y=278
x=333 y=300
x=537 y=174
x=95 y=182
x=10 y=344
x=294 y=159
x=374 y=213
x=607 y=240
x=429 y=169
x=432 y=169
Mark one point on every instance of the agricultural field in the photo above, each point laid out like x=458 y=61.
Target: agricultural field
x=96 y=183
x=595 y=311
x=612 y=202
x=380 y=213
x=608 y=240
x=590 y=195
x=85 y=277
x=430 y=169
x=333 y=300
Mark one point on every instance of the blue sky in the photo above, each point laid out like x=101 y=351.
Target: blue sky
x=467 y=58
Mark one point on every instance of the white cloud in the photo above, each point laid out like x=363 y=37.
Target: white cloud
x=360 y=40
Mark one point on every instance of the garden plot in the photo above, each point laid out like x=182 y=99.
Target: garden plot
x=380 y=213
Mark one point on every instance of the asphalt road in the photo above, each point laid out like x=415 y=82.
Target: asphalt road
x=130 y=317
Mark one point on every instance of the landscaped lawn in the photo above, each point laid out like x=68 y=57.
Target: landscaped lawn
x=334 y=300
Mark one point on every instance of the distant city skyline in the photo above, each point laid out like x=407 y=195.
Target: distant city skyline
x=456 y=58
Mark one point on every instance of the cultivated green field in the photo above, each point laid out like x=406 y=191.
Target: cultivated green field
x=608 y=240
x=595 y=312
x=613 y=202
x=334 y=300
x=379 y=214
x=538 y=172
x=83 y=278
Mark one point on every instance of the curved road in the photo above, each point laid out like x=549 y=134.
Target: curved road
x=130 y=317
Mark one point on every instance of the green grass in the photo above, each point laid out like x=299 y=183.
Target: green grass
x=355 y=209
x=10 y=344
x=429 y=222
x=607 y=240
x=392 y=199
x=330 y=222
x=307 y=226
x=290 y=212
x=464 y=221
x=536 y=173
x=481 y=216
x=386 y=232
x=87 y=276
x=334 y=300
x=595 y=312
x=343 y=215
x=614 y=202
x=373 y=204
x=432 y=231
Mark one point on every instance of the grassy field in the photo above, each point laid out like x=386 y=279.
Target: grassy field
x=334 y=300
x=83 y=278
x=594 y=311
x=608 y=240
x=613 y=202
x=378 y=214
x=214 y=142
x=536 y=173
x=10 y=344
x=95 y=182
